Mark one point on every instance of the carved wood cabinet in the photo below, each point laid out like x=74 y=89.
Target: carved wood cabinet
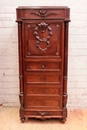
x=43 y=52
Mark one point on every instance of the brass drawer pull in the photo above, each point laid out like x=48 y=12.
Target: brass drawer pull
x=43 y=66
x=43 y=91
x=43 y=103
x=43 y=78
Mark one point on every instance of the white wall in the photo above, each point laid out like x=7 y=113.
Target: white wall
x=77 y=72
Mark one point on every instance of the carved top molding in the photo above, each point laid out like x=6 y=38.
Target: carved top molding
x=44 y=13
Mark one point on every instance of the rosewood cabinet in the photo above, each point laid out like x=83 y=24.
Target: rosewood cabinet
x=43 y=54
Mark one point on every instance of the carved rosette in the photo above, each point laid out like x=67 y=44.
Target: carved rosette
x=42 y=27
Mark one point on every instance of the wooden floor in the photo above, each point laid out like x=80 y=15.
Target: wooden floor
x=9 y=120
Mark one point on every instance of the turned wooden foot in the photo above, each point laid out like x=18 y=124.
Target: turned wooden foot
x=63 y=120
x=22 y=120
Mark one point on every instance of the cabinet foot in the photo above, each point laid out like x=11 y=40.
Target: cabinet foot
x=63 y=120
x=22 y=120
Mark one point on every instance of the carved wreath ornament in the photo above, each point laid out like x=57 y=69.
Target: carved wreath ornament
x=42 y=27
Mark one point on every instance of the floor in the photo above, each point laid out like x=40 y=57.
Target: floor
x=9 y=120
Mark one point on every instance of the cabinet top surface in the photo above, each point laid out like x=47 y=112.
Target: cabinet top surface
x=40 y=7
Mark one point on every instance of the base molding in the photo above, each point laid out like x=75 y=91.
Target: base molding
x=43 y=115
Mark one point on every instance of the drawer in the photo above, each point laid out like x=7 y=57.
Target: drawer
x=32 y=77
x=43 y=13
x=43 y=89
x=42 y=101
x=43 y=113
x=30 y=66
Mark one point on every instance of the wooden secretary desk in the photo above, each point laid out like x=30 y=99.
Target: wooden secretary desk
x=43 y=52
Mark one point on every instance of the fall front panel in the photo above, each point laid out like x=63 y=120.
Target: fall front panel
x=43 y=38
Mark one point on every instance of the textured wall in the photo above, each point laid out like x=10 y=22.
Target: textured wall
x=77 y=72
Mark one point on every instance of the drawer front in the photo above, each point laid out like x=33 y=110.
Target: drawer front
x=43 y=13
x=43 y=89
x=30 y=66
x=33 y=77
x=43 y=113
x=34 y=101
